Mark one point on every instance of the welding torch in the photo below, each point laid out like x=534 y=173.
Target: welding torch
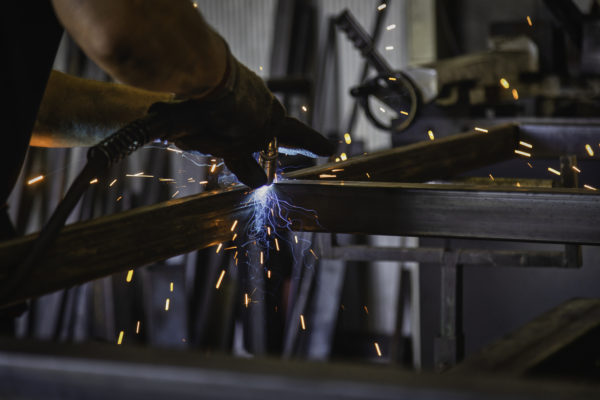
x=268 y=160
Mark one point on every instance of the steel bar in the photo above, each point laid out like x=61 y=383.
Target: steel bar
x=106 y=245
x=92 y=249
x=423 y=161
x=538 y=215
x=467 y=257
x=77 y=371
x=541 y=340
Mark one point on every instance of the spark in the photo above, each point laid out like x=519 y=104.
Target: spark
x=120 y=339
x=390 y=27
x=347 y=138
x=381 y=7
x=220 y=279
x=382 y=109
x=337 y=170
x=327 y=176
x=234 y=236
x=262 y=258
x=212 y=169
x=175 y=194
x=518 y=184
x=304 y=108
x=296 y=239
x=219 y=247
x=139 y=175
x=504 y=83
x=367 y=174
x=302 y=322
x=129 y=276
x=389 y=48
x=523 y=153
x=589 y=187
x=166 y=180
x=313 y=253
x=555 y=172
x=366 y=310
x=36 y=179
x=167 y=303
x=234 y=225
x=137 y=327
x=589 y=150
x=522 y=143
x=119 y=198
x=171 y=287
x=172 y=149
x=337 y=159
x=276 y=244
x=530 y=166
x=268 y=274
x=268 y=231
x=403 y=113
x=574 y=168
x=343 y=157
x=529 y=21
x=515 y=94
x=492 y=177
x=112 y=183
x=260 y=67
x=391 y=78
x=431 y=135
x=246 y=299
x=377 y=349
x=481 y=130
x=203 y=182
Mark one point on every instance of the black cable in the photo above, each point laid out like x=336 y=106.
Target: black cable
x=109 y=151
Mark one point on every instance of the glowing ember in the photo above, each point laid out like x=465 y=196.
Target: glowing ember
x=36 y=179
x=504 y=83
x=220 y=279
x=525 y=144
x=343 y=157
x=529 y=21
x=302 y=322
x=120 y=339
x=347 y=138
x=523 y=153
x=171 y=287
x=431 y=136
x=129 y=276
x=515 y=94
x=589 y=150
x=377 y=349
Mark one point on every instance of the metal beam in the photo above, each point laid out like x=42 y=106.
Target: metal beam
x=106 y=245
x=534 y=214
x=467 y=257
x=423 y=161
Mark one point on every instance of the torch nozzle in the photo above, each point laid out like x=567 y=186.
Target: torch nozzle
x=268 y=160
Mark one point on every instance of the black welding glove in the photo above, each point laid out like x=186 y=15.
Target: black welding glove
x=237 y=119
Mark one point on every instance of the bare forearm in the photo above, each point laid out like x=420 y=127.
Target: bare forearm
x=160 y=45
x=80 y=112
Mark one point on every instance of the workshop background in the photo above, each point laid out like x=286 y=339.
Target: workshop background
x=384 y=312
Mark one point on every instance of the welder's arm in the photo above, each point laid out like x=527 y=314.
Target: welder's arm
x=165 y=45
x=81 y=112
x=158 y=45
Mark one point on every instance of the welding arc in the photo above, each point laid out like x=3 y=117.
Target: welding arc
x=109 y=151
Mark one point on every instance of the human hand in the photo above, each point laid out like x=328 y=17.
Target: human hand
x=237 y=120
